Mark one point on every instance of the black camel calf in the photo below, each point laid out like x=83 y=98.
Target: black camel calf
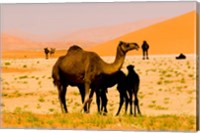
x=125 y=85
x=131 y=85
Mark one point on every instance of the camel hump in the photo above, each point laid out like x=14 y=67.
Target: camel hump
x=121 y=73
x=74 y=48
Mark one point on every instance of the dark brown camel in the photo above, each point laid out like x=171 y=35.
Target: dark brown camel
x=145 y=48
x=132 y=83
x=59 y=81
x=101 y=84
x=80 y=67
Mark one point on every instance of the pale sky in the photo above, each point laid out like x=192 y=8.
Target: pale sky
x=53 y=20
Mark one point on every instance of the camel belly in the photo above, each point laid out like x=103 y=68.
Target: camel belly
x=73 y=79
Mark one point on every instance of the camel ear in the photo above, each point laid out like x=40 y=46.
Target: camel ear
x=120 y=43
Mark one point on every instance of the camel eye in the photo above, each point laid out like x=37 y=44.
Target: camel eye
x=127 y=45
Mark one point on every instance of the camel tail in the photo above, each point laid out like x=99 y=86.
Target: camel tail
x=55 y=79
x=56 y=76
x=56 y=72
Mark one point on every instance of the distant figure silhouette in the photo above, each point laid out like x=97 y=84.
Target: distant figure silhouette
x=46 y=51
x=181 y=56
x=145 y=48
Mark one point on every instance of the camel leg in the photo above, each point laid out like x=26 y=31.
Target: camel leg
x=59 y=97
x=87 y=96
x=120 y=104
x=90 y=98
x=63 y=98
x=62 y=93
x=98 y=100
x=127 y=97
x=104 y=100
x=136 y=105
x=82 y=92
x=136 y=102
x=131 y=101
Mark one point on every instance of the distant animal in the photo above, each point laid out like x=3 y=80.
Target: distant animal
x=131 y=85
x=80 y=67
x=52 y=51
x=145 y=48
x=46 y=52
x=181 y=56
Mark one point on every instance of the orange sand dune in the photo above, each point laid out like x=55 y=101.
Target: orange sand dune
x=10 y=42
x=14 y=43
x=172 y=36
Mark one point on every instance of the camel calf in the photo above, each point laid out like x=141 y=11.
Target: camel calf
x=127 y=86
x=130 y=86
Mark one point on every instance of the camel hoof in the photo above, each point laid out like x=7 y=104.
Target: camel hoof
x=117 y=115
x=104 y=113
x=87 y=112
x=65 y=112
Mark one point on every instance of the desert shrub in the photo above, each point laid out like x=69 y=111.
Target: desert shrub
x=23 y=77
x=7 y=64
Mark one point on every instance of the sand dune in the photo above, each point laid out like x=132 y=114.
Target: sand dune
x=13 y=43
x=17 y=40
x=106 y=33
x=169 y=37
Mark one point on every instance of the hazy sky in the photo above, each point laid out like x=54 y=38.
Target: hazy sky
x=50 y=20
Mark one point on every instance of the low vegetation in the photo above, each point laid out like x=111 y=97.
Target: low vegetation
x=165 y=89
x=22 y=119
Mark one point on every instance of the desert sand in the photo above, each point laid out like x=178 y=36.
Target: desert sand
x=168 y=86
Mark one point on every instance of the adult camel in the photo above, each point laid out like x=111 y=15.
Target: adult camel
x=80 y=68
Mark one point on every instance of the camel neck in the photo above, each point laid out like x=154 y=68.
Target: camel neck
x=117 y=64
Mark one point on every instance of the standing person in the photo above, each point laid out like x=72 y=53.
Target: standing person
x=145 y=48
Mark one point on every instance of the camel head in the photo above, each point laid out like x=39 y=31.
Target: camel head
x=130 y=67
x=125 y=47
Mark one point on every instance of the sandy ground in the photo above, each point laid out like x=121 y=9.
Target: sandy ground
x=168 y=86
